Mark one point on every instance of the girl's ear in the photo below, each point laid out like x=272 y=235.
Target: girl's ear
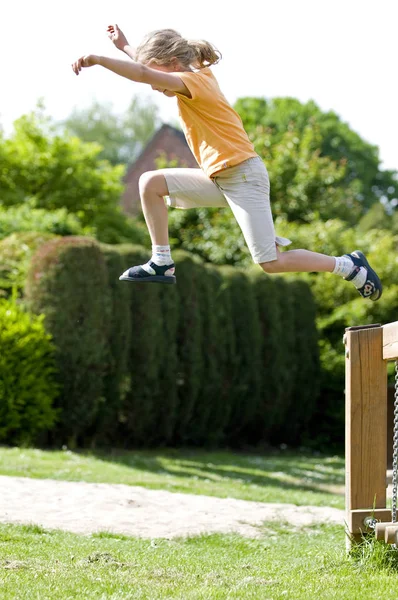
x=175 y=63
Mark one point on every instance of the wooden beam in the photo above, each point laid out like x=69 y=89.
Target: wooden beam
x=390 y=341
x=366 y=424
x=356 y=519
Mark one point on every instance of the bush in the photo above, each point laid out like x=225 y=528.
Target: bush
x=146 y=398
x=27 y=376
x=26 y=218
x=189 y=337
x=68 y=282
x=288 y=361
x=114 y=227
x=16 y=252
x=211 y=410
x=304 y=365
x=269 y=293
x=165 y=415
x=216 y=359
x=244 y=393
x=117 y=378
x=338 y=305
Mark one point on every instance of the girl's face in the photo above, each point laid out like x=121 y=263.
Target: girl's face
x=173 y=68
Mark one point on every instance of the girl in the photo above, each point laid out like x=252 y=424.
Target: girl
x=231 y=172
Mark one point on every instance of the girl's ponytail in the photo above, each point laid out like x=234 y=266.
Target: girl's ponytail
x=205 y=52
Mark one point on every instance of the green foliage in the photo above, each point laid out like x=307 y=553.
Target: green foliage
x=244 y=393
x=121 y=137
x=65 y=176
x=148 y=401
x=339 y=306
x=304 y=373
x=211 y=233
x=114 y=227
x=199 y=363
x=26 y=218
x=117 y=377
x=67 y=282
x=209 y=419
x=378 y=218
x=285 y=126
x=190 y=369
x=320 y=171
x=27 y=382
x=16 y=251
x=57 y=171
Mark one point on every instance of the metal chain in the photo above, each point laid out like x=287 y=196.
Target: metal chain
x=395 y=452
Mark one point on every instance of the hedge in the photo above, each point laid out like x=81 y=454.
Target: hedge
x=147 y=398
x=116 y=380
x=68 y=283
x=225 y=357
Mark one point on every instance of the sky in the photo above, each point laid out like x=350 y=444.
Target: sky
x=340 y=54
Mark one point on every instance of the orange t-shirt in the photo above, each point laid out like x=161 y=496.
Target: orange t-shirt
x=213 y=129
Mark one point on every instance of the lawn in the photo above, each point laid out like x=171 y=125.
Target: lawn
x=282 y=564
x=279 y=476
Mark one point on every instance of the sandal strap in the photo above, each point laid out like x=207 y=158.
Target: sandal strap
x=138 y=271
x=160 y=270
x=353 y=274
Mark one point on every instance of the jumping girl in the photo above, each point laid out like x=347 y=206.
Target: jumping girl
x=231 y=173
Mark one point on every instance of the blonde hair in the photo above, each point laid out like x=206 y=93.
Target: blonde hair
x=162 y=45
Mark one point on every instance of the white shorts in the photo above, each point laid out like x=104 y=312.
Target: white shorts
x=245 y=188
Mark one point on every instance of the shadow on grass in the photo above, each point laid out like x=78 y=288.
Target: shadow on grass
x=312 y=474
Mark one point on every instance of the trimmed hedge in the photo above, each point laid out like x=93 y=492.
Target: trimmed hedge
x=245 y=373
x=68 y=283
x=225 y=357
x=190 y=365
x=116 y=380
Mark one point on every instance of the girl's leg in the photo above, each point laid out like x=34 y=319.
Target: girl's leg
x=299 y=261
x=185 y=188
x=246 y=188
x=160 y=267
x=352 y=267
x=153 y=188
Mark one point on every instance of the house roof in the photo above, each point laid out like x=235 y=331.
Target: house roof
x=156 y=135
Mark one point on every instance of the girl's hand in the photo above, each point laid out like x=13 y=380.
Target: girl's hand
x=85 y=61
x=117 y=36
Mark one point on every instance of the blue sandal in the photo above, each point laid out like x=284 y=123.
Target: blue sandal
x=372 y=287
x=155 y=274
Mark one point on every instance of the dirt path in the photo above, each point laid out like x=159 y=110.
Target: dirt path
x=90 y=507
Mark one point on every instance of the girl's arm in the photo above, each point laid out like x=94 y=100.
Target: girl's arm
x=117 y=36
x=135 y=71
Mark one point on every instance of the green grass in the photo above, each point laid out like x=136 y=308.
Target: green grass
x=282 y=564
x=301 y=479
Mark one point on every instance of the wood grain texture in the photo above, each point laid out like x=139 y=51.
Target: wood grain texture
x=366 y=423
x=390 y=341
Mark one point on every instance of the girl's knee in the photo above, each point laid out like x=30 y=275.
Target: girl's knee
x=153 y=181
x=270 y=267
x=273 y=266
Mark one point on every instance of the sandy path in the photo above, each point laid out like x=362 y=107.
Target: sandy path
x=90 y=507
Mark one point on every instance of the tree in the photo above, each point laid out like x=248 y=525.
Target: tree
x=46 y=170
x=319 y=170
x=121 y=136
x=267 y=122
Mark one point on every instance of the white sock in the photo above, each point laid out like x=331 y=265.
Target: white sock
x=161 y=255
x=344 y=267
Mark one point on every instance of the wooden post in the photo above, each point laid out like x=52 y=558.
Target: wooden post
x=366 y=429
